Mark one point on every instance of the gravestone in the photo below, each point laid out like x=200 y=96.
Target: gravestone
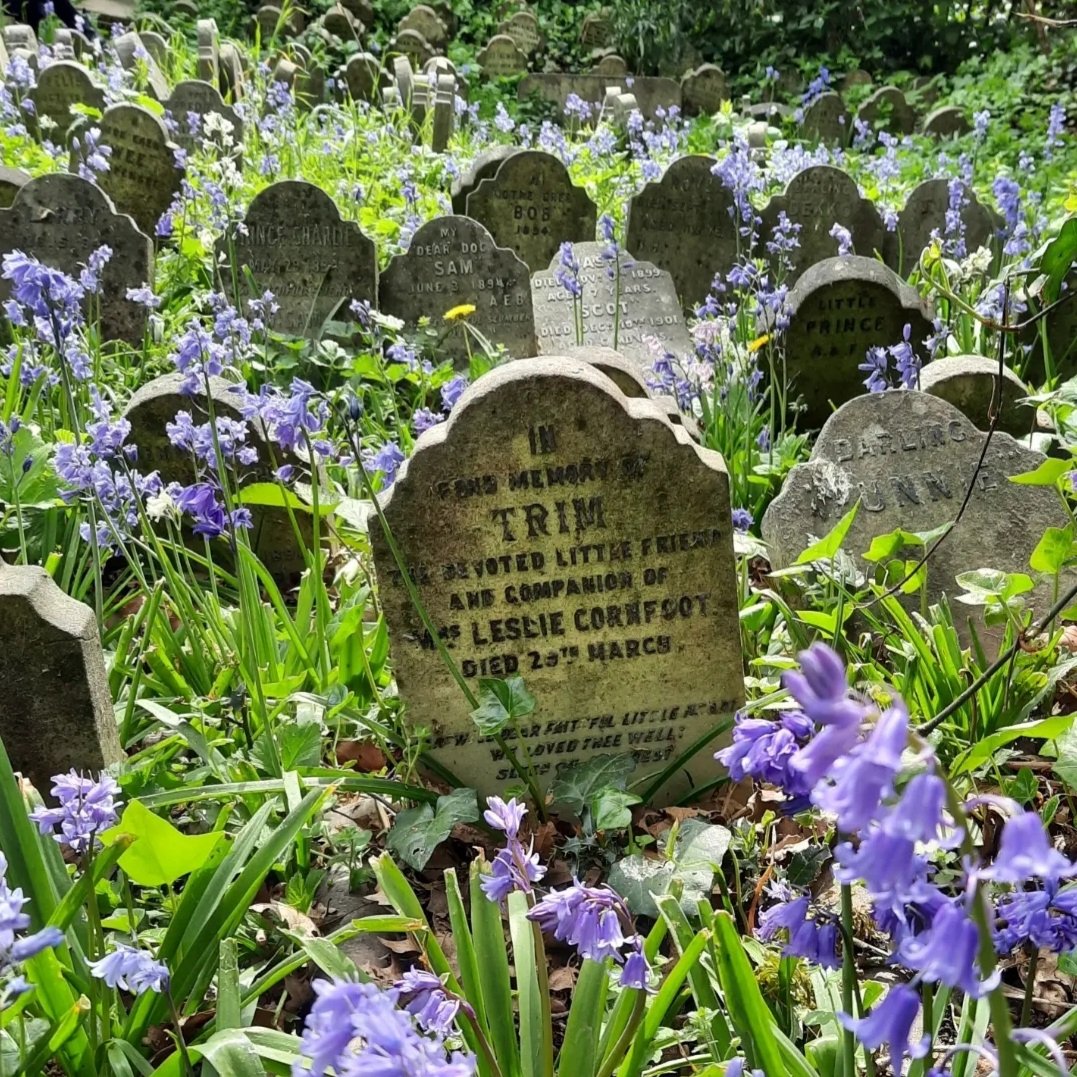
x=559 y=531
x=837 y=311
x=3 y=57
x=12 y=180
x=502 y=58
x=886 y=109
x=684 y=224
x=428 y=24
x=231 y=72
x=414 y=46
x=56 y=710
x=531 y=205
x=909 y=458
x=968 y=382
x=1060 y=328
x=611 y=66
x=947 y=122
x=342 y=24
x=924 y=213
x=817 y=198
x=201 y=99
x=453 y=262
x=652 y=93
x=113 y=12
x=363 y=10
x=703 y=90
x=209 y=47
x=523 y=28
x=596 y=31
x=62 y=219
x=855 y=78
x=826 y=120
x=444 y=112
x=295 y=244
x=925 y=89
x=642 y=321
x=59 y=86
x=272 y=26
x=143 y=177
x=155 y=44
x=18 y=35
x=136 y=58
x=484 y=165
x=364 y=77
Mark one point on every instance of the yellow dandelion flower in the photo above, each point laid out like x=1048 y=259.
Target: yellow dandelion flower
x=463 y=311
x=758 y=342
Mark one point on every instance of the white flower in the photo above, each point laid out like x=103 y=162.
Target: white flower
x=161 y=506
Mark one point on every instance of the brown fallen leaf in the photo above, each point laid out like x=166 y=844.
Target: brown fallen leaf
x=365 y=754
x=563 y=979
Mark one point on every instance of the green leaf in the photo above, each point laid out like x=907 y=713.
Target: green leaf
x=274 y=496
x=1060 y=254
x=806 y=864
x=1047 y=474
x=1044 y=729
x=1065 y=766
x=501 y=702
x=1053 y=550
x=829 y=544
x=639 y=880
x=577 y=783
x=884 y=547
x=417 y=832
x=160 y=854
x=1022 y=786
x=579 y=1051
x=611 y=809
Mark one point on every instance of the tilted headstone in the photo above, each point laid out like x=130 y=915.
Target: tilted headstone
x=294 y=243
x=640 y=315
x=60 y=86
x=887 y=109
x=110 y=11
x=18 y=35
x=652 y=93
x=12 y=180
x=523 y=28
x=531 y=205
x=444 y=113
x=909 y=458
x=818 y=198
x=4 y=59
x=428 y=24
x=364 y=77
x=453 y=262
x=826 y=120
x=611 y=66
x=62 y=219
x=947 y=122
x=155 y=44
x=703 y=90
x=969 y=381
x=684 y=224
x=502 y=58
x=56 y=711
x=484 y=165
x=924 y=214
x=596 y=31
x=231 y=72
x=70 y=44
x=273 y=26
x=404 y=78
x=925 y=89
x=837 y=311
x=193 y=96
x=414 y=46
x=559 y=531
x=136 y=58
x=209 y=47
x=143 y=177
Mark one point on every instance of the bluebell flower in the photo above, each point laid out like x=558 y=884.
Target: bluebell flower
x=886 y=863
x=980 y=122
x=844 y=239
x=424 y=996
x=86 y=807
x=15 y=946
x=452 y=390
x=1056 y=124
x=592 y=919
x=131 y=970
x=876 y=365
x=1039 y=919
x=507 y=816
x=567 y=273
x=635 y=973
x=891 y=1022
x=763 y=750
x=514 y=868
x=947 y=952
x=1025 y=854
x=742 y=520
x=815 y=940
x=423 y=419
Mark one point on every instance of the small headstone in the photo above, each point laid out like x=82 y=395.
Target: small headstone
x=18 y=35
x=231 y=72
x=826 y=120
x=924 y=214
x=444 y=113
x=404 y=77
x=703 y=90
x=414 y=46
x=531 y=205
x=209 y=46
x=294 y=243
x=59 y=86
x=363 y=10
x=857 y=77
x=56 y=709
x=143 y=177
x=684 y=223
x=909 y=458
x=837 y=311
x=818 y=198
x=615 y=597
x=886 y=109
x=155 y=44
x=611 y=66
x=272 y=26
x=62 y=219
x=12 y=180
x=484 y=165
x=3 y=57
x=364 y=76
x=428 y=24
x=454 y=262
x=121 y=12
x=652 y=93
x=523 y=28
x=596 y=32
x=502 y=58
x=947 y=122
x=926 y=89
x=641 y=321
x=342 y=24
x=136 y=58
x=201 y=99
x=968 y=382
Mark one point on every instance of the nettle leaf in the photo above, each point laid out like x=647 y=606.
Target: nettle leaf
x=577 y=783
x=501 y=702
x=417 y=832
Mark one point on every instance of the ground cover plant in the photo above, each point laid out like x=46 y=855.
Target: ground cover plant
x=278 y=872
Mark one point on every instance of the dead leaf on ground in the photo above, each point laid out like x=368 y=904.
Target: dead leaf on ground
x=365 y=754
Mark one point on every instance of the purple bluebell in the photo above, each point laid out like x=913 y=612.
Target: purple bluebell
x=567 y=273
x=85 y=807
x=887 y=864
x=384 y=460
x=507 y=816
x=424 y=996
x=763 y=750
x=891 y=1022
x=131 y=970
x=1025 y=854
x=1056 y=124
x=514 y=868
x=876 y=365
x=423 y=419
x=1041 y=919
x=590 y=918
x=947 y=952
x=15 y=946
x=980 y=122
x=742 y=520
x=635 y=974
x=844 y=239
x=452 y=390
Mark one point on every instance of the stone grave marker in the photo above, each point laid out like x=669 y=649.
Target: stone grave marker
x=269 y=22
x=502 y=58
x=428 y=24
x=136 y=58
x=444 y=113
x=968 y=382
x=909 y=458
x=363 y=10
x=596 y=31
x=62 y=219
x=414 y=46
x=558 y=530
x=438 y=66
x=826 y=120
x=297 y=246
x=3 y=57
x=73 y=44
x=947 y=122
x=531 y=205
x=12 y=180
x=652 y=93
x=404 y=77
x=925 y=89
x=342 y=24
x=18 y=35
x=155 y=44
x=231 y=72
x=59 y=86
x=192 y=96
x=924 y=213
x=888 y=110
x=703 y=90
x=611 y=66
x=817 y=198
x=641 y=322
x=683 y=224
x=143 y=177
x=110 y=11
x=839 y=309
x=484 y=165
x=209 y=48
x=56 y=710
x=523 y=28
x=852 y=79
x=1060 y=328
x=453 y=262
x=364 y=77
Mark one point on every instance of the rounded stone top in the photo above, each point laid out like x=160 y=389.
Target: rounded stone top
x=968 y=382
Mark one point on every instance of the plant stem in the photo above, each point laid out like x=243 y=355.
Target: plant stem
x=1030 y=988
x=543 y=977
x=848 y=979
x=181 y=1043
x=620 y=1048
x=484 y=1045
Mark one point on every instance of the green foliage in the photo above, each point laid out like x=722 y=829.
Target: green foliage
x=417 y=832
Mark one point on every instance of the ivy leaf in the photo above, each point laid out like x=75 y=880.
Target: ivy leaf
x=417 y=832
x=639 y=880
x=577 y=783
x=611 y=809
x=501 y=702
x=805 y=865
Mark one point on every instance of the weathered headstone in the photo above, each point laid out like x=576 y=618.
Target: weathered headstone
x=12 y=180
x=428 y=24
x=453 y=262
x=947 y=122
x=1059 y=326
x=684 y=223
x=143 y=177
x=596 y=31
x=557 y=530
x=59 y=86
x=640 y=316
x=968 y=382
x=56 y=710
x=818 y=198
x=155 y=44
x=294 y=243
x=209 y=47
x=342 y=24
x=273 y=26
x=414 y=46
x=531 y=205
x=924 y=214
x=62 y=219
x=703 y=90
x=909 y=458
x=611 y=66
x=444 y=113
x=136 y=58
x=363 y=10
x=652 y=93
x=826 y=120
x=484 y=165
x=502 y=58
x=887 y=109
x=523 y=28
x=231 y=72
x=113 y=12
x=364 y=77
x=855 y=78
x=837 y=311
x=18 y=35
x=199 y=99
